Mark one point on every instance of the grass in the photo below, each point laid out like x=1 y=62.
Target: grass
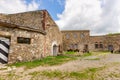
x=87 y=54
x=48 y=61
x=116 y=75
x=90 y=73
x=93 y=59
x=53 y=60
x=10 y=76
x=96 y=53
x=1 y=78
x=3 y=68
x=111 y=34
x=70 y=52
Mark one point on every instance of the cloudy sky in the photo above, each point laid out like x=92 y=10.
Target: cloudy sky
x=99 y=16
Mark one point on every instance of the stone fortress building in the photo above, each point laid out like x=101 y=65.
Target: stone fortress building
x=80 y=40
x=33 y=35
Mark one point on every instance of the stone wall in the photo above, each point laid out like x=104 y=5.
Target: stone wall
x=41 y=44
x=32 y=19
x=72 y=39
x=105 y=40
x=96 y=40
x=53 y=37
x=112 y=40
x=2 y=16
x=24 y=52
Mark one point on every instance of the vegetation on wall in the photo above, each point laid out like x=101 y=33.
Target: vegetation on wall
x=111 y=34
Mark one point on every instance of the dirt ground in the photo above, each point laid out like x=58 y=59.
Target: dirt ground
x=111 y=62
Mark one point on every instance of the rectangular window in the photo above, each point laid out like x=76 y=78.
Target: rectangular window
x=96 y=45
x=23 y=40
x=86 y=46
x=101 y=45
x=75 y=46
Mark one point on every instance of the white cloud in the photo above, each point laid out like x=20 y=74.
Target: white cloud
x=15 y=6
x=99 y=16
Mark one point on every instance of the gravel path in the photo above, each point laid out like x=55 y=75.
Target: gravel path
x=111 y=60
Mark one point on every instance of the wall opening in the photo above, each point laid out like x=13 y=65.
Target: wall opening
x=110 y=47
x=55 y=50
x=4 y=49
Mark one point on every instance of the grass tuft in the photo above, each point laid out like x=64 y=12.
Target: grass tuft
x=48 y=61
x=93 y=59
x=87 y=54
x=90 y=73
x=70 y=52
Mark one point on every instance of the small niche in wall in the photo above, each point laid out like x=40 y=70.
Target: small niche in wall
x=23 y=40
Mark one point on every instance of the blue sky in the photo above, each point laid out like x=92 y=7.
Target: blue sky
x=98 y=16
x=54 y=7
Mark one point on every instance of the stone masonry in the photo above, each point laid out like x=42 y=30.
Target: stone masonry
x=39 y=27
x=81 y=39
x=40 y=37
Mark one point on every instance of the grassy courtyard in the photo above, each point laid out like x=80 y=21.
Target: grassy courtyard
x=48 y=61
x=89 y=66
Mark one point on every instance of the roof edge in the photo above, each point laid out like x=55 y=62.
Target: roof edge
x=11 y=25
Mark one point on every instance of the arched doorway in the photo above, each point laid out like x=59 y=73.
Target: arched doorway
x=55 y=50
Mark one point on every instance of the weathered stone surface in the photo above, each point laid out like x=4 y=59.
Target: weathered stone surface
x=2 y=16
x=35 y=24
x=32 y=19
x=54 y=36
x=70 y=38
x=25 y=51
x=75 y=39
x=41 y=44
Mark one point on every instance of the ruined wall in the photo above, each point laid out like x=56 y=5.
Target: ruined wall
x=2 y=16
x=112 y=40
x=25 y=52
x=70 y=38
x=96 y=40
x=105 y=40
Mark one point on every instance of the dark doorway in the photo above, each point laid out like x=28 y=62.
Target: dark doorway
x=55 y=50
x=110 y=48
x=85 y=48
